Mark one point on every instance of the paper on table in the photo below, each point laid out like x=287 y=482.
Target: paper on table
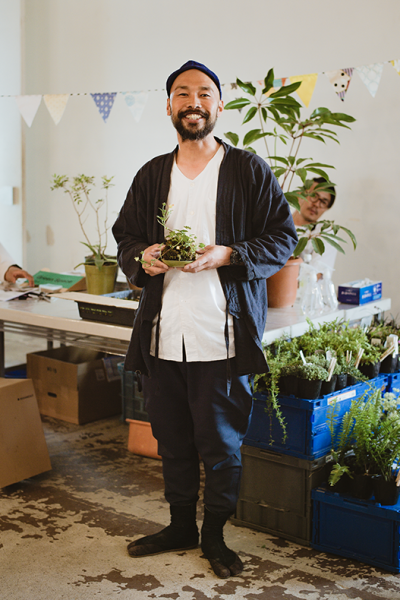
x=6 y=295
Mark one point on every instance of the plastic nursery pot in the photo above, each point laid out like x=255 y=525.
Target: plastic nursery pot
x=309 y=389
x=370 y=370
x=361 y=486
x=341 y=381
x=389 y=364
x=385 y=492
x=351 y=380
x=328 y=387
x=342 y=486
x=288 y=385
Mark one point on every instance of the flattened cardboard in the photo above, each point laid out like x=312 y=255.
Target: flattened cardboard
x=71 y=384
x=23 y=449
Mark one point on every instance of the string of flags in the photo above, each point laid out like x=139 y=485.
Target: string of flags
x=339 y=79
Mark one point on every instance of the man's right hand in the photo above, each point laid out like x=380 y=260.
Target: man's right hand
x=152 y=266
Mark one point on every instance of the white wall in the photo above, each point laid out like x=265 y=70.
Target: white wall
x=123 y=45
x=11 y=226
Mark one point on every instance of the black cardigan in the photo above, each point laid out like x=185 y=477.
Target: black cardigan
x=252 y=215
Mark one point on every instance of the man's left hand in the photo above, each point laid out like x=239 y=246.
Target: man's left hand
x=211 y=257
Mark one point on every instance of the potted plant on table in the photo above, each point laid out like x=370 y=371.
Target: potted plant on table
x=277 y=108
x=100 y=268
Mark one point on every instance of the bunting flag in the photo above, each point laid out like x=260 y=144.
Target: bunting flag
x=56 y=104
x=340 y=81
x=278 y=83
x=306 y=90
x=104 y=103
x=28 y=106
x=396 y=64
x=233 y=91
x=371 y=76
x=136 y=101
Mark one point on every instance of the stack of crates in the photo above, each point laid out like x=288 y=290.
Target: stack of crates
x=278 y=478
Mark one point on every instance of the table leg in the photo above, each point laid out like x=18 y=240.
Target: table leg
x=2 y=353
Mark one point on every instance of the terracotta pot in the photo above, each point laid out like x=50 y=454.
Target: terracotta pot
x=282 y=287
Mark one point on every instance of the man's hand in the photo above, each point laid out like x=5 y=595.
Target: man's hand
x=211 y=257
x=13 y=273
x=152 y=266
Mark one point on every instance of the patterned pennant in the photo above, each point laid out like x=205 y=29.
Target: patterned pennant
x=396 y=64
x=56 y=104
x=340 y=81
x=28 y=106
x=104 y=103
x=371 y=76
x=233 y=91
x=306 y=90
x=136 y=101
x=277 y=83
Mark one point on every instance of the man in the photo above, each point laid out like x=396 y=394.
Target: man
x=10 y=272
x=198 y=330
x=321 y=197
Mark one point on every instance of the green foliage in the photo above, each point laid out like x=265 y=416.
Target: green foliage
x=79 y=190
x=313 y=372
x=179 y=244
x=280 y=124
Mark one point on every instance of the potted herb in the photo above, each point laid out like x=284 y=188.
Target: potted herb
x=279 y=116
x=179 y=248
x=100 y=268
x=310 y=377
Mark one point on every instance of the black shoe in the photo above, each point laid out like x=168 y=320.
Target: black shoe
x=224 y=562
x=181 y=534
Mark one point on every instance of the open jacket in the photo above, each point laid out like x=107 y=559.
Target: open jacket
x=252 y=216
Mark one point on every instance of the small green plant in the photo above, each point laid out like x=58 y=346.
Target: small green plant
x=179 y=244
x=313 y=372
x=280 y=124
x=79 y=190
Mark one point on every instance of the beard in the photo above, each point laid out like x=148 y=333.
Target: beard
x=192 y=132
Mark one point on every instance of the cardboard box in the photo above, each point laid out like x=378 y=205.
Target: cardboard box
x=355 y=292
x=23 y=449
x=71 y=384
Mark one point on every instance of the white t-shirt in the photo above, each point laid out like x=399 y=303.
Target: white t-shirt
x=193 y=304
x=5 y=262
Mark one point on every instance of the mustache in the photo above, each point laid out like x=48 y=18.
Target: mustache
x=185 y=113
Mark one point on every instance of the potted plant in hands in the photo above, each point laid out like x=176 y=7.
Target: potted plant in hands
x=280 y=110
x=100 y=268
x=179 y=248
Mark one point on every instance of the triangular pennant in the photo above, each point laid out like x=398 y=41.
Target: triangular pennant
x=340 y=80
x=278 y=83
x=233 y=91
x=136 y=101
x=396 y=64
x=104 y=103
x=306 y=90
x=56 y=104
x=371 y=76
x=28 y=106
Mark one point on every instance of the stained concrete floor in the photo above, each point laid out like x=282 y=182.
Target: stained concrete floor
x=63 y=535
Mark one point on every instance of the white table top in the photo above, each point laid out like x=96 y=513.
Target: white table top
x=63 y=315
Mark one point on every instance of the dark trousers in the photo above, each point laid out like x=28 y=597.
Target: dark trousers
x=191 y=415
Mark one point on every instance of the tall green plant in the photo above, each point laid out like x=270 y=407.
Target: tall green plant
x=279 y=116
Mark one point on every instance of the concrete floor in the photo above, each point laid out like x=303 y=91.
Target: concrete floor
x=63 y=535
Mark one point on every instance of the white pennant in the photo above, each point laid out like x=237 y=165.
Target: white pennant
x=136 y=102
x=371 y=76
x=56 y=104
x=28 y=106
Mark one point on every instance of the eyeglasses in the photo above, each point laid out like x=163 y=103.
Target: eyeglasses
x=317 y=200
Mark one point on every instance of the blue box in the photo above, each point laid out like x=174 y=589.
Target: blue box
x=356 y=293
x=356 y=529
x=308 y=435
x=394 y=383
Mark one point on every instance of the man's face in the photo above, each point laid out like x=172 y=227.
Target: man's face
x=194 y=105
x=316 y=204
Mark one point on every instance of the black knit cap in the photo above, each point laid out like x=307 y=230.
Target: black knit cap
x=192 y=64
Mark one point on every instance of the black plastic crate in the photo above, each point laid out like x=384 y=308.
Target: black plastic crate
x=115 y=315
x=275 y=493
x=132 y=399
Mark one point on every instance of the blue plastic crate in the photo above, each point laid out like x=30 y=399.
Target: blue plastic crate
x=356 y=529
x=394 y=383
x=308 y=435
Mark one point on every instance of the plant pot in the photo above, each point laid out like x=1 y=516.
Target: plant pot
x=342 y=486
x=370 y=370
x=351 y=380
x=361 y=486
x=288 y=385
x=100 y=281
x=389 y=364
x=310 y=389
x=341 y=381
x=176 y=263
x=385 y=492
x=282 y=287
x=328 y=387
